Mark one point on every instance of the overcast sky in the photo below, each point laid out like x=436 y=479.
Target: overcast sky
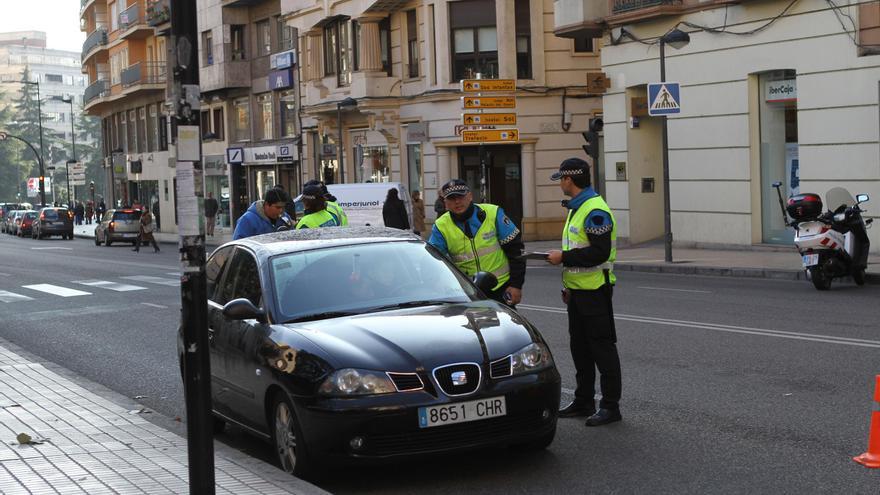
x=58 y=18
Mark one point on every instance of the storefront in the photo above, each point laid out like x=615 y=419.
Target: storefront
x=370 y=153
x=779 y=149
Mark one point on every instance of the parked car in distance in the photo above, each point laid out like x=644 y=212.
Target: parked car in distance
x=53 y=221
x=6 y=208
x=366 y=344
x=26 y=225
x=13 y=221
x=118 y=225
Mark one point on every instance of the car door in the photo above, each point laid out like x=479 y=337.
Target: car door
x=215 y=268
x=240 y=280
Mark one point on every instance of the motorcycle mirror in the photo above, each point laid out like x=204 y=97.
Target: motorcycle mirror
x=777 y=184
x=862 y=198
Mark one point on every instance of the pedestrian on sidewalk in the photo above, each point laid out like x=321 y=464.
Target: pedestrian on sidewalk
x=102 y=208
x=90 y=210
x=78 y=213
x=146 y=232
x=587 y=257
x=394 y=211
x=211 y=207
x=418 y=207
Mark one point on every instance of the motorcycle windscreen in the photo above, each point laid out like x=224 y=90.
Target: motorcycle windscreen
x=837 y=197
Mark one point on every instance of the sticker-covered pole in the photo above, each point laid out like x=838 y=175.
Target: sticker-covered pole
x=185 y=96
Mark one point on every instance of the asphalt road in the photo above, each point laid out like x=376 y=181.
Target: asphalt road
x=730 y=385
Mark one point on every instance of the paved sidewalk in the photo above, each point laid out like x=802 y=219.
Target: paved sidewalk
x=221 y=235
x=86 y=443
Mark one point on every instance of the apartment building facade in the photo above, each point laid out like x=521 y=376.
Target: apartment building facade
x=770 y=91
x=380 y=85
x=124 y=58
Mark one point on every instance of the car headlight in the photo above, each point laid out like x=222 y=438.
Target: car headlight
x=530 y=358
x=350 y=381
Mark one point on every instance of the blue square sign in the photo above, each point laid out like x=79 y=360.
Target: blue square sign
x=664 y=98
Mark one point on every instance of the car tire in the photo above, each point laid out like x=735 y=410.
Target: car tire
x=287 y=439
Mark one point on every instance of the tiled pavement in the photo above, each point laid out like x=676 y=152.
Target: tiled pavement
x=92 y=445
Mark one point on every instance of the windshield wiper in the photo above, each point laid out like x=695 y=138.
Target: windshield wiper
x=321 y=316
x=411 y=304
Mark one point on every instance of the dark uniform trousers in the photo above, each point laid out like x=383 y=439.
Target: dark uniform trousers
x=594 y=345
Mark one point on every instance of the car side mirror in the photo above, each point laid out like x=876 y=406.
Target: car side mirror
x=485 y=281
x=243 y=309
x=862 y=198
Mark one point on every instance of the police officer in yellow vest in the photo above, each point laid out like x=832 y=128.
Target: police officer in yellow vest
x=332 y=207
x=480 y=238
x=587 y=257
x=316 y=214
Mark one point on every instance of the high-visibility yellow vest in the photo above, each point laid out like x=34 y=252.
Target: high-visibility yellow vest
x=574 y=237
x=482 y=253
x=316 y=220
x=337 y=212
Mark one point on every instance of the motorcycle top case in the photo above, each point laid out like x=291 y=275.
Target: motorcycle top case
x=803 y=207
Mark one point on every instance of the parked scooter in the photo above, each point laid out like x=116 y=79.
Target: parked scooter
x=833 y=243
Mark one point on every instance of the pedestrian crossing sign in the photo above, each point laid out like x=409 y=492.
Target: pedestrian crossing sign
x=664 y=98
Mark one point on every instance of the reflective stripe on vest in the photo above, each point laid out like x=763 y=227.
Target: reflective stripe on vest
x=575 y=237
x=483 y=252
x=338 y=212
x=316 y=220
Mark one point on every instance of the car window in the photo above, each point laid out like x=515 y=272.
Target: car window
x=358 y=278
x=31 y=215
x=240 y=279
x=126 y=215
x=50 y=214
x=214 y=268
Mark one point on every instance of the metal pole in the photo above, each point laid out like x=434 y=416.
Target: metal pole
x=185 y=96
x=73 y=145
x=40 y=122
x=339 y=150
x=667 y=219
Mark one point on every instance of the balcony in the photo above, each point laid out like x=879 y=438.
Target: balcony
x=158 y=12
x=144 y=75
x=96 y=90
x=132 y=23
x=579 y=18
x=629 y=11
x=621 y=6
x=97 y=39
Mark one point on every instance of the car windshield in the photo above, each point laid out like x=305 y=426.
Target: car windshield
x=126 y=215
x=50 y=214
x=364 y=278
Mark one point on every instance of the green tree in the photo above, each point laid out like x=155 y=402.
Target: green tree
x=11 y=175
x=26 y=125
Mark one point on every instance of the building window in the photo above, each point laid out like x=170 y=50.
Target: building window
x=523 y=40
x=132 y=131
x=208 y=45
x=385 y=44
x=218 y=123
x=264 y=38
x=330 y=49
x=288 y=113
x=371 y=163
x=242 y=120
x=412 y=38
x=583 y=45
x=285 y=35
x=142 y=129
x=55 y=78
x=264 y=117
x=355 y=44
x=474 y=39
x=114 y=16
x=205 y=123
x=152 y=138
x=338 y=51
x=163 y=133
x=238 y=43
x=414 y=166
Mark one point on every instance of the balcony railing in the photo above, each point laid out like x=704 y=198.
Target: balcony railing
x=97 y=38
x=98 y=89
x=130 y=17
x=143 y=73
x=621 y=6
x=158 y=12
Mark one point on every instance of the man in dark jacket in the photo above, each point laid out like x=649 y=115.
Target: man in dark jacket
x=211 y=207
x=394 y=211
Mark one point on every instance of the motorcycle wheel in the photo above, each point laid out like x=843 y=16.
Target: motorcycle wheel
x=859 y=276
x=821 y=281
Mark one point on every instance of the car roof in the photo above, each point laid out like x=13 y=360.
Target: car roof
x=307 y=239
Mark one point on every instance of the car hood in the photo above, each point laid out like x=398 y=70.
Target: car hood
x=424 y=337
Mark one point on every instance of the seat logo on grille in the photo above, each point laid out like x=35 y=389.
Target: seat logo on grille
x=459 y=378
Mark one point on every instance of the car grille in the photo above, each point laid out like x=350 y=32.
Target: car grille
x=501 y=368
x=454 y=436
x=406 y=381
x=444 y=376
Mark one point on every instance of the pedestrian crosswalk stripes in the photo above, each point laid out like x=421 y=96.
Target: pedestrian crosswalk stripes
x=153 y=280
x=106 y=284
x=8 y=297
x=57 y=290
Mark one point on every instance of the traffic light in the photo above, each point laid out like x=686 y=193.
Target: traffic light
x=592 y=146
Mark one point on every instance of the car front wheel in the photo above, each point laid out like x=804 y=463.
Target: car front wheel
x=287 y=439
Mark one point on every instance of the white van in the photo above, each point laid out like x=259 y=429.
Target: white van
x=363 y=202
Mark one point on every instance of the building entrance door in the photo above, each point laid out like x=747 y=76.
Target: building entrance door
x=503 y=175
x=779 y=150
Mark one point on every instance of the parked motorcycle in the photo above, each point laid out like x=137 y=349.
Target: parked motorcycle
x=833 y=243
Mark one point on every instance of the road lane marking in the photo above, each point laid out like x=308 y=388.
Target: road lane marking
x=51 y=247
x=154 y=305
x=677 y=290
x=57 y=290
x=8 y=297
x=828 y=339
x=153 y=280
x=106 y=284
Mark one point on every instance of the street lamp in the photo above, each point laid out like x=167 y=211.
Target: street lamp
x=69 y=99
x=676 y=39
x=346 y=103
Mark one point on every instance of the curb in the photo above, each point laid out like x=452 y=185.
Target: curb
x=160 y=241
x=770 y=273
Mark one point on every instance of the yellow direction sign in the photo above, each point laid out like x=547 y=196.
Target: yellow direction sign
x=488 y=119
x=488 y=135
x=488 y=102
x=477 y=85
